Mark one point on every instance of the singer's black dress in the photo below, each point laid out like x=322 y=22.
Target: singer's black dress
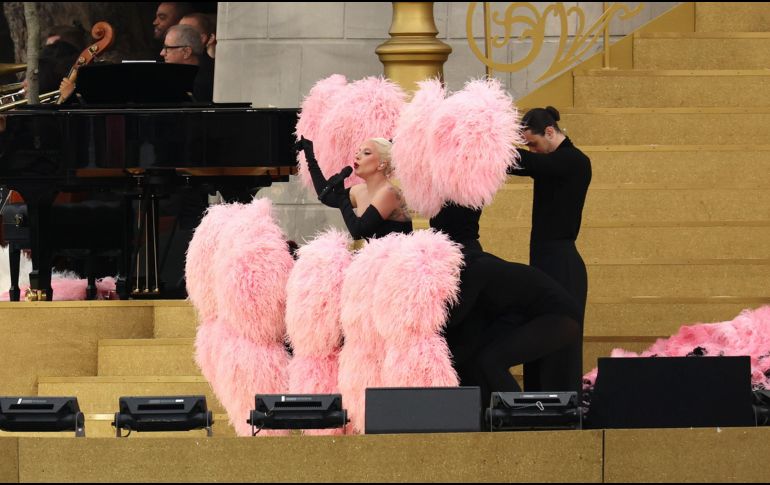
x=508 y=314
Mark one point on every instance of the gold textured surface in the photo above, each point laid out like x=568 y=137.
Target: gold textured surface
x=147 y=357
x=632 y=88
x=482 y=457
x=101 y=394
x=678 y=280
x=9 y=460
x=732 y=17
x=511 y=242
x=657 y=318
x=49 y=338
x=687 y=455
x=708 y=53
x=641 y=203
x=177 y=321
x=667 y=127
x=700 y=167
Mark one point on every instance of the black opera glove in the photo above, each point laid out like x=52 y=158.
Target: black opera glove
x=319 y=181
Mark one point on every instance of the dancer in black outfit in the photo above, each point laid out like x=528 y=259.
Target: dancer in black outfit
x=382 y=208
x=562 y=174
x=508 y=314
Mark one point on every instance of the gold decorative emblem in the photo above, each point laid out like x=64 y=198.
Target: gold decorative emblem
x=569 y=50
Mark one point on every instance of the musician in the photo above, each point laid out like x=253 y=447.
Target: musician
x=206 y=26
x=183 y=46
x=168 y=15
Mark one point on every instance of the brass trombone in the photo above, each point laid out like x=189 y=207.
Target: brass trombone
x=12 y=95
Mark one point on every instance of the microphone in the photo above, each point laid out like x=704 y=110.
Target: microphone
x=334 y=180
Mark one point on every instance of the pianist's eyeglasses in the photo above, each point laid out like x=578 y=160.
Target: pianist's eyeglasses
x=167 y=47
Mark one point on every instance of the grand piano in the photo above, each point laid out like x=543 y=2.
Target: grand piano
x=141 y=151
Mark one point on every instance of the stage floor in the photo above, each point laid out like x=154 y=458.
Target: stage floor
x=653 y=455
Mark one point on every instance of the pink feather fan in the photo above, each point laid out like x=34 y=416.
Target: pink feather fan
x=248 y=356
x=314 y=298
x=473 y=133
x=199 y=263
x=367 y=108
x=410 y=313
x=412 y=162
x=314 y=108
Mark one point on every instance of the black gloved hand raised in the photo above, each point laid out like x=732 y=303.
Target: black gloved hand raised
x=332 y=194
x=305 y=145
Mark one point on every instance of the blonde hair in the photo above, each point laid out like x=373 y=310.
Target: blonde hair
x=384 y=149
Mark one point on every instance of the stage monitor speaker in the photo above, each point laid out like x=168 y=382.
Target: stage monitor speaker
x=423 y=410
x=672 y=392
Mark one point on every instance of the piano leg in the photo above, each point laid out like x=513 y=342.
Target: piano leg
x=14 y=256
x=39 y=211
x=90 y=278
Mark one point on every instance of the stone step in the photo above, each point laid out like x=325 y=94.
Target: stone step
x=658 y=316
x=60 y=338
x=677 y=166
x=702 y=50
x=634 y=204
x=675 y=242
x=147 y=357
x=743 y=278
x=732 y=17
x=173 y=318
x=101 y=394
x=672 y=88
x=666 y=126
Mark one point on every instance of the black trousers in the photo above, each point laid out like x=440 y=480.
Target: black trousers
x=561 y=261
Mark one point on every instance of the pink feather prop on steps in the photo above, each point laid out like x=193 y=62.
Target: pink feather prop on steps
x=73 y=289
x=368 y=108
x=474 y=131
x=247 y=355
x=313 y=294
x=411 y=160
x=747 y=334
x=362 y=355
x=240 y=370
x=410 y=313
x=199 y=265
x=313 y=326
x=314 y=108
x=253 y=266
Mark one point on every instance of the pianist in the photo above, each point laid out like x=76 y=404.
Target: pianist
x=183 y=46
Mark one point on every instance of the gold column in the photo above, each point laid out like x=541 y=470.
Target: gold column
x=413 y=53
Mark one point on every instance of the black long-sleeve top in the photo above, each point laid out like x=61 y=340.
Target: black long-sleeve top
x=561 y=183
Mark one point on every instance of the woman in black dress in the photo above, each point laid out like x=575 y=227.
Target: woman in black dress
x=372 y=209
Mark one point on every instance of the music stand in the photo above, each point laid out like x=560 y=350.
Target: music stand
x=136 y=82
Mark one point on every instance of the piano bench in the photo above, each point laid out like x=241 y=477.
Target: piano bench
x=92 y=226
